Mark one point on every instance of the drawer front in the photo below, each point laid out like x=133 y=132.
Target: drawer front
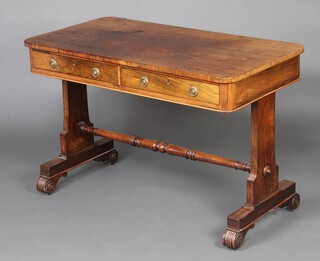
x=170 y=86
x=75 y=67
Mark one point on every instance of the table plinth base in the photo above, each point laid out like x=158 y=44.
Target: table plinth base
x=264 y=192
x=243 y=219
x=53 y=170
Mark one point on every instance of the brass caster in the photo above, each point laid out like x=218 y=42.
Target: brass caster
x=294 y=202
x=232 y=239
x=48 y=185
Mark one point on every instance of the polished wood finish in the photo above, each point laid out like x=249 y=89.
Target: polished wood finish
x=76 y=148
x=163 y=147
x=264 y=192
x=176 y=88
x=260 y=184
x=53 y=170
x=260 y=85
x=75 y=109
x=209 y=56
x=208 y=70
x=239 y=69
x=67 y=66
x=240 y=221
x=247 y=216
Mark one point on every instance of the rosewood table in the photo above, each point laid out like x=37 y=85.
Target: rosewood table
x=208 y=70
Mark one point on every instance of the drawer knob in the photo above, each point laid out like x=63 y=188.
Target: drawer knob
x=53 y=63
x=193 y=91
x=95 y=72
x=144 y=81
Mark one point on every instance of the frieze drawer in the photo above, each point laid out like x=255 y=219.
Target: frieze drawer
x=170 y=86
x=76 y=67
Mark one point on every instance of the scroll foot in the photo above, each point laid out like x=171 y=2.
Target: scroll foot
x=243 y=219
x=294 y=202
x=47 y=185
x=109 y=158
x=233 y=239
x=53 y=170
x=112 y=157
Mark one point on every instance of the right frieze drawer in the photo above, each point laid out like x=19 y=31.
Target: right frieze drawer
x=172 y=86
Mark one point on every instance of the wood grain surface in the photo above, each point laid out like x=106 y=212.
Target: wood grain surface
x=209 y=70
x=209 y=56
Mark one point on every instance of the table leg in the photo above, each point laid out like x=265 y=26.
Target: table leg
x=76 y=148
x=264 y=192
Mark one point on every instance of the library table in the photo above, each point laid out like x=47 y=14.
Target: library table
x=208 y=70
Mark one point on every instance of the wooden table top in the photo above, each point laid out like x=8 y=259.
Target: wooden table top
x=200 y=55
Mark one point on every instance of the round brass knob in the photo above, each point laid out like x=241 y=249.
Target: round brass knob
x=53 y=63
x=95 y=72
x=144 y=81
x=193 y=91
